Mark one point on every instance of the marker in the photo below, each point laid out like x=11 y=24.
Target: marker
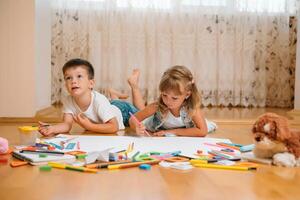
x=246 y=148
x=42 y=152
x=135 y=155
x=133 y=164
x=70 y=167
x=229 y=146
x=106 y=164
x=195 y=161
x=213 y=166
x=138 y=122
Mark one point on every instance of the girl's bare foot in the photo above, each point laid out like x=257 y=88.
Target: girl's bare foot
x=114 y=94
x=133 y=80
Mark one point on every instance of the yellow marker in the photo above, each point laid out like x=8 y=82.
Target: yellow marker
x=195 y=161
x=70 y=167
x=214 y=166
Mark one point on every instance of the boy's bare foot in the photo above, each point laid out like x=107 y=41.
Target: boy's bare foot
x=133 y=80
x=114 y=94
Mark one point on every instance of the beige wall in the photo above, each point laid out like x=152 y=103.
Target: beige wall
x=297 y=83
x=20 y=55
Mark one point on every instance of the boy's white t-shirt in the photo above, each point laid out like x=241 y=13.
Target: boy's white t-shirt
x=99 y=111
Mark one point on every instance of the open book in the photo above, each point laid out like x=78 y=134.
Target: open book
x=35 y=159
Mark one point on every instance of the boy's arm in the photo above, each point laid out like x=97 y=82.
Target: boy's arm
x=64 y=127
x=111 y=126
x=200 y=129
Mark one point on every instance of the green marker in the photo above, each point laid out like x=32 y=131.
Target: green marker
x=42 y=155
x=45 y=168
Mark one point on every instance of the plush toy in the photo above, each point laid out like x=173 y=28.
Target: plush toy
x=3 y=145
x=274 y=139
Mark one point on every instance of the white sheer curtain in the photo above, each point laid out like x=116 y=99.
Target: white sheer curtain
x=241 y=52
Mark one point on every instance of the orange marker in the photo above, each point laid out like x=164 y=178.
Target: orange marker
x=18 y=163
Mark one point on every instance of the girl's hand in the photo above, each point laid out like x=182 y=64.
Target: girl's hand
x=140 y=129
x=46 y=129
x=82 y=120
x=159 y=133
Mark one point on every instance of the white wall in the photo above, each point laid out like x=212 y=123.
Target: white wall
x=43 y=53
x=25 y=58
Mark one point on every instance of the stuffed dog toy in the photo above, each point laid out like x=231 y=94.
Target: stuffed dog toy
x=274 y=139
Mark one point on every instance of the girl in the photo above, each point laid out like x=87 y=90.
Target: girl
x=177 y=110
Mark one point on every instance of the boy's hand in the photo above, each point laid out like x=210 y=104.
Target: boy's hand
x=46 y=129
x=83 y=121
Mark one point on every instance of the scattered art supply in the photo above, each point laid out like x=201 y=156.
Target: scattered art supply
x=62 y=143
x=74 y=153
x=145 y=166
x=43 y=155
x=177 y=159
x=45 y=168
x=182 y=166
x=35 y=159
x=3 y=145
x=132 y=164
x=28 y=135
x=18 y=163
x=225 y=162
x=246 y=148
x=81 y=156
x=43 y=152
x=106 y=164
x=233 y=144
x=55 y=145
x=3 y=160
x=196 y=161
x=226 y=145
x=214 y=166
x=70 y=146
x=70 y=167
x=227 y=150
x=170 y=135
x=251 y=157
x=176 y=165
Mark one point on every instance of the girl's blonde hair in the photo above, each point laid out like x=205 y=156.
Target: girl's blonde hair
x=179 y=79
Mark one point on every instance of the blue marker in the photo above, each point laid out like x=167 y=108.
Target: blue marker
x=246 y=148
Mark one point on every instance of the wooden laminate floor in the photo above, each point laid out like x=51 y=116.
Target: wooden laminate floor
x=268 y=182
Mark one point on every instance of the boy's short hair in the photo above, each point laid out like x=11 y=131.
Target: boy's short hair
x=73 y=63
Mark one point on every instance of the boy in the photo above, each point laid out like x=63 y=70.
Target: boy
x=90 y=109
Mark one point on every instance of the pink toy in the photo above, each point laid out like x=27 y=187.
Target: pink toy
x=3 y=145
